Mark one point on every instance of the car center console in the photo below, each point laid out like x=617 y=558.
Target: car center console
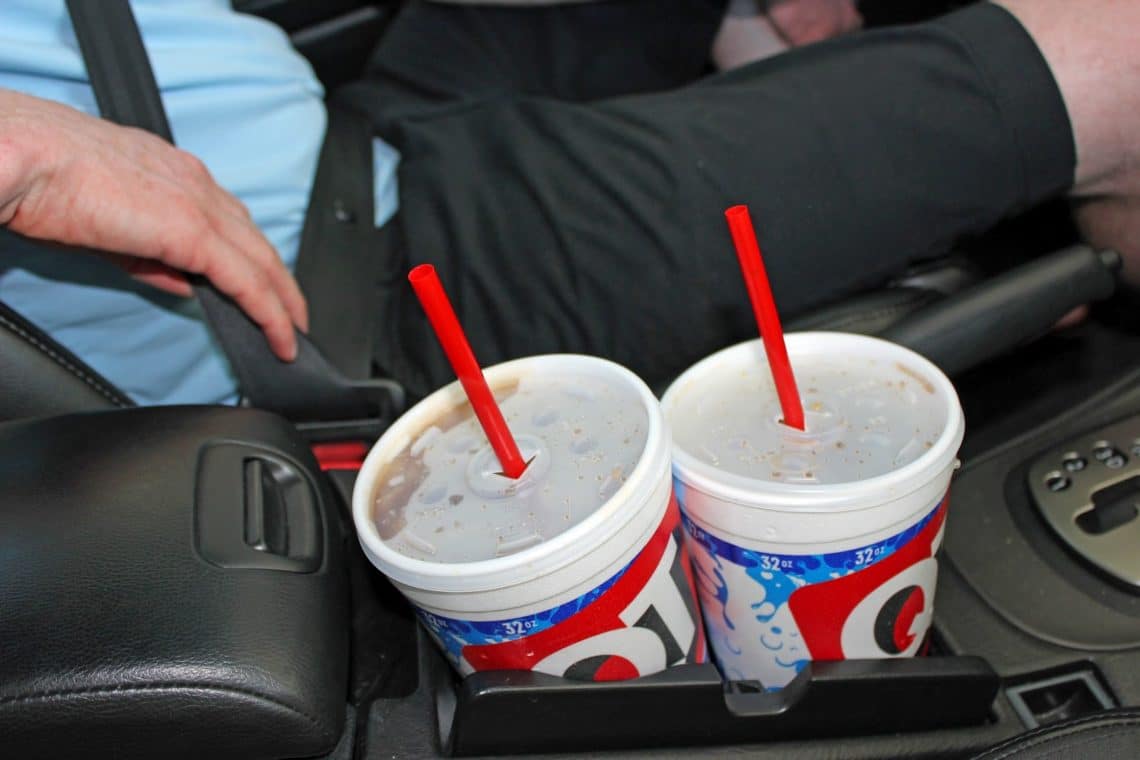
x=1059 y=635
x=184 y=582
x=172 y=584
x=1041 y=559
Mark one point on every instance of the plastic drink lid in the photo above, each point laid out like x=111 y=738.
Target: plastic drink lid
x=864 y=417
x=442 y=498
x=872 y=410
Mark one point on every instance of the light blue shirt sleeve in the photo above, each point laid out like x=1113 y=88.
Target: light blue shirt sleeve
x=238 y=97
x=385 y=196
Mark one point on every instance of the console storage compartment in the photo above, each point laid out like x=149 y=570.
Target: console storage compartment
x=172 y=584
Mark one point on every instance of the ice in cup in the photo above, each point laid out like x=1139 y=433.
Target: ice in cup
x=817 y=544
x=577 y=568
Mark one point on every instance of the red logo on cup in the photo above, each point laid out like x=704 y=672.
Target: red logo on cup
x=882 y=610
x=642 y=624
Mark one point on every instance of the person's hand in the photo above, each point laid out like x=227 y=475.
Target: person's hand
x=802 y=22
x=71 y=178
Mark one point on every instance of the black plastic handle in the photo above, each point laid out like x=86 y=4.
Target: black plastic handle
x=256 y=510
x=509 y=712
x=997 y=315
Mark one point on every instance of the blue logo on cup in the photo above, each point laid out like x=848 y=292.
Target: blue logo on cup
x=769 y=614
x=454 y=634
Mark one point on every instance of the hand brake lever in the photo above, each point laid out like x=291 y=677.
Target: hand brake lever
x=1009 y=310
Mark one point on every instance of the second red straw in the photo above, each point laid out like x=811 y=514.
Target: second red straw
x=764 y=307
x=446 y=325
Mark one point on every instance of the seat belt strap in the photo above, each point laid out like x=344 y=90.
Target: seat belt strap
x=118 y=66
x=307 y=389
x=340 y=257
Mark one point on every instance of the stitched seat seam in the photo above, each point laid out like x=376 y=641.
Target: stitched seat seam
x=91 y=382
x=19 y=699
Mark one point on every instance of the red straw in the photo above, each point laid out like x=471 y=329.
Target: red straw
x=443 y=320
x=764 y=307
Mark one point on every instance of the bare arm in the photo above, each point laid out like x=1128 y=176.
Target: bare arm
x=70 y=178
x=1091 y=49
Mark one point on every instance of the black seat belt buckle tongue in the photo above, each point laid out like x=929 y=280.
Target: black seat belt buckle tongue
x=385 y=396
x=308 y=391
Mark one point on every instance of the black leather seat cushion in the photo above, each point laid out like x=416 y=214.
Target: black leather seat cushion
x=1111 y=735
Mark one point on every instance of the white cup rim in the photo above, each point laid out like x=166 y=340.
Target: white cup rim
x=536 y=561
x=828 y=497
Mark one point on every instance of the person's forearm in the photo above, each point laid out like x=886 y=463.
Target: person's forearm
x=1091 y=48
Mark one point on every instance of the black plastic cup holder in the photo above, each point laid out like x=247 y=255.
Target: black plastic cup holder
x=511 y=712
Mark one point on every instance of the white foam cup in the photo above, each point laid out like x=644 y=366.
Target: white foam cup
x=821 y=544
x=576 y=569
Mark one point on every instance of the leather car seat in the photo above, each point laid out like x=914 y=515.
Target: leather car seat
x=1111 y=735
x=39 y=377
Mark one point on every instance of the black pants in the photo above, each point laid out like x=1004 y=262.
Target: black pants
x=566 y=213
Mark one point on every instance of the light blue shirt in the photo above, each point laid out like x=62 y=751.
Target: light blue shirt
x=237 y=96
